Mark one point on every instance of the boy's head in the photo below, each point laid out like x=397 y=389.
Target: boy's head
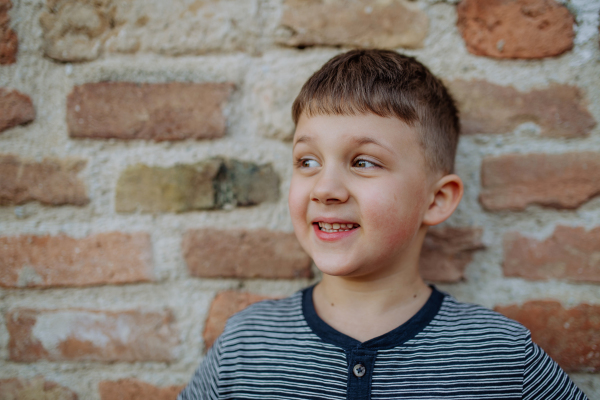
x=374 y=146
x=387 y=84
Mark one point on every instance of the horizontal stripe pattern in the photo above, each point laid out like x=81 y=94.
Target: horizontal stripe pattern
x=466 y=352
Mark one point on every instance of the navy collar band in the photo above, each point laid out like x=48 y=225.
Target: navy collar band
x=393 y=338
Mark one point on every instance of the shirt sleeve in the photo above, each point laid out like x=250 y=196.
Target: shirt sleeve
x=205 y=382
x=544 y=379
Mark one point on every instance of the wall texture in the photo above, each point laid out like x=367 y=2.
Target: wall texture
x=145 y=160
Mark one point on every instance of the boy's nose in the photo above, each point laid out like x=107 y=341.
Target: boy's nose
x=329 y=188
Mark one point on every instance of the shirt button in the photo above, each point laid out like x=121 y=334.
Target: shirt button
x=359 y=370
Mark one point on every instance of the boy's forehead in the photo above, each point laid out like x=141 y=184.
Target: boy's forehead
x=358 y=129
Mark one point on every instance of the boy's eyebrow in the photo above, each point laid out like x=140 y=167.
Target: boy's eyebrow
x=359 y=141
x=303 y=139
x=368 y=140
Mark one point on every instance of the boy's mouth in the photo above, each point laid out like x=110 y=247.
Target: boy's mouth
x=336 y=227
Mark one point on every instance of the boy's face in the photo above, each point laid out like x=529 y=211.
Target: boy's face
x=369 y=175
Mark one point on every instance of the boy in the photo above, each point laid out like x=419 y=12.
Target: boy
x=374 y=148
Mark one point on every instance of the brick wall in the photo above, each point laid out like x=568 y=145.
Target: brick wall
x=145 y=159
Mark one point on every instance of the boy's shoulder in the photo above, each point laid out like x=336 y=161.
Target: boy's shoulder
x=476 y=319
x=273 y=314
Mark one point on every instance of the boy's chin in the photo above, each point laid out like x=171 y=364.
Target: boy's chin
x=341 y=269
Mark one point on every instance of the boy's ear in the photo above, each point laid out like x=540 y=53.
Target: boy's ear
x=447 y=194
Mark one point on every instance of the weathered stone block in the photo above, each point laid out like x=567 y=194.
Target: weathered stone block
x=514 y=181
x=74 y=30
x=52 y=181
x=91 y=335
x=174 y=189
x=160 y=111
x=9 y=43
x=33 y=389
x=133 y=389
x=187 y=27
x=362 y=23
x=224 y=306
x=570 y=253
x=83 y=30
x=211 y=184
x=245 y=183
x=571 y=336
x=16 y=108
x=516 y=28
x=447 y=251
x=560 y=110
x=238 y=253
x=49 y=261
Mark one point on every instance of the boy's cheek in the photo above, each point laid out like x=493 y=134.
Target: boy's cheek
x=396 y=224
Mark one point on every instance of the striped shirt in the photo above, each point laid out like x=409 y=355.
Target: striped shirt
x=281 y=349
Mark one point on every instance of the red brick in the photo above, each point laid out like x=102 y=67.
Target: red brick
x=515 y=28
x=560 y=110
x=52 y=181
x=514 y=181
x=91 y=335
x=160 y=111
x=447 y=252
x=33 y=389
x=9 y=43
x=238 y=253
x=48 y=261
x=224 y=306
x=15 y=109
x=361 y=23
x=571 y=336
x=132 y=389
x=570 y=253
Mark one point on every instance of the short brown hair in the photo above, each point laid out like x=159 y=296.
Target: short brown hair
x=387 y=84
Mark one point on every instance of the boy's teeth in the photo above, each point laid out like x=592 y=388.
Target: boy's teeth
x=336 y=227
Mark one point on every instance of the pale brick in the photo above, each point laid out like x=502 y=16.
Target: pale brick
x=224 y=306
x=50 y=261
x=238 y=253
x=51 y=181
x=571 y=336
x=361 y=23
x=15 y=109
x=277 y=82
x=34 y=389
x=9 y=42
x=133 y=389
x=159 y=111
x=211 y=184
x=173 y=189
x=91 y=335
x=73 y=30
x=447 y=252
x=516 y=28
x=560 y=110
x=570 y=253
x=83 y=30
x=514 y=181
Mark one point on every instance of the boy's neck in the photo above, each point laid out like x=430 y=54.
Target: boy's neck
x=365 y=309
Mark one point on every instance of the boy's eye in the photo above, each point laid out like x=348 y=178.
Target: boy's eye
x=364 y=164
x=309 y=163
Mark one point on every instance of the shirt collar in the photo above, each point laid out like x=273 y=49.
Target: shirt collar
x=393 y=338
